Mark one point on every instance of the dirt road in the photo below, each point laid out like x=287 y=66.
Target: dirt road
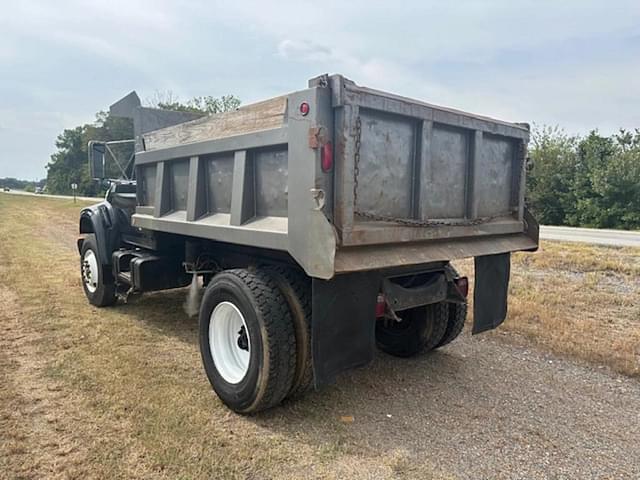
x=90 y=393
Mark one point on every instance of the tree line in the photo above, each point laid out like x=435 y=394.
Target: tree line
x=585 y=181
x=16 y=184
x=590 y=180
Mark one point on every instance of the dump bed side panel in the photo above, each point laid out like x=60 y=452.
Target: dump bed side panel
x=232 y=189
x=219 y=178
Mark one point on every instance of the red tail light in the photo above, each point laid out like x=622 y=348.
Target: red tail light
x=380 y=306
x=462 y=284
x=326 y=157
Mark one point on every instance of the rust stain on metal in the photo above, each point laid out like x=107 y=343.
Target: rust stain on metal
x=314 y=137
x=318 y=136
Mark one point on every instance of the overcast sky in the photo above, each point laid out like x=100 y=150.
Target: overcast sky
x=571 y=63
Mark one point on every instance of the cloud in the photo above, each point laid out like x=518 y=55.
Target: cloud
x=573 y=62
x=304 y=50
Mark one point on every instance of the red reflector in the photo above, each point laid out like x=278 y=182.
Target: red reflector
x=304 y=108
x=326 y=157
x=380 y=306
x=462 y=284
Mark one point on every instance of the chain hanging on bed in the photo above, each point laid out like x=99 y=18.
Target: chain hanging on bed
x=411 y=222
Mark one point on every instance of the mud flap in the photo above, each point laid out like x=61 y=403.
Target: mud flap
x=491 y=291
x=343 y=324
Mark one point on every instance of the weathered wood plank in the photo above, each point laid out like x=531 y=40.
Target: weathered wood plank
x=265 y=115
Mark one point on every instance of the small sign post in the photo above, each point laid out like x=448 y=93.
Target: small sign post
x=74 y=187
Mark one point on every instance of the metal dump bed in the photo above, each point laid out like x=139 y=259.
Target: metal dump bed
x=342 y=177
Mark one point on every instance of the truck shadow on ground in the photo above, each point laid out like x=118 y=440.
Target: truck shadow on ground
x=386 y=405
x=164 y=313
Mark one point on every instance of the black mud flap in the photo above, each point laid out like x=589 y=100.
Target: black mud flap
x=491 y=291
x=343 y=324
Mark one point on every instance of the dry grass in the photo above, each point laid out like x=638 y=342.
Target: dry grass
x=120 y=392
x=577 y=300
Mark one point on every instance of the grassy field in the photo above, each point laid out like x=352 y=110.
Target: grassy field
x=120 y=393
x=577 y=300
x=580 y=300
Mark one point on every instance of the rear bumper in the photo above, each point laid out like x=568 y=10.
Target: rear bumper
x=374 y=257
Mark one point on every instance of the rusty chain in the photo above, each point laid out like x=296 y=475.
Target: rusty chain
x=356 y=162
x=411 y=222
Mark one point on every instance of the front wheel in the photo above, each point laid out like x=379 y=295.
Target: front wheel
x=247 y=340
x=97 y=282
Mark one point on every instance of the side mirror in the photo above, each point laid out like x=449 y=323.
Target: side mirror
x=97 y=152
x=528 y=164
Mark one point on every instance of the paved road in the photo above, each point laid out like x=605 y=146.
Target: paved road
x=22 y=192
x=620 y=238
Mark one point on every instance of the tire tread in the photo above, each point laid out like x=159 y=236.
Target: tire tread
x=273 y=308
x=105 y=294
x=457 y=318
x=300 y=286
x=438 y=315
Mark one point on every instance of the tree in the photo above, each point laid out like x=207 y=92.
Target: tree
x=70 y=165
x=550 y=182
x=206 y=104
x=593 y=181
x=17 y=184
x=608 y=181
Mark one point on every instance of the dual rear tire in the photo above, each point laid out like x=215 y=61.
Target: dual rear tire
x=254 y=337
x=421 y=329
x=254 y=330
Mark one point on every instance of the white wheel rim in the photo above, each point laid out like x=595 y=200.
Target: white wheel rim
x=229 y=342
x=90 y=271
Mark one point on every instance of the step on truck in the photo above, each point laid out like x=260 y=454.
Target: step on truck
x=320 y=224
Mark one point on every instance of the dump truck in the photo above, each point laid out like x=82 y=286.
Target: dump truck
x=318 y=225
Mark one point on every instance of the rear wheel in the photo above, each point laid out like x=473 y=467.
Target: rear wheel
x=247 y=340
x=455 y=324
x=97 y=281
x=420 y=329
x=295 y=286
